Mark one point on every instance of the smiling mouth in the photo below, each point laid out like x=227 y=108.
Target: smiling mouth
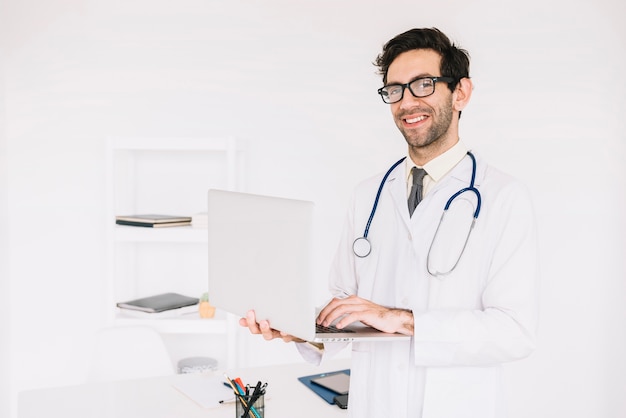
x=415 y=119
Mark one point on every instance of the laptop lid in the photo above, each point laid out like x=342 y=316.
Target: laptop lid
x=260 y=258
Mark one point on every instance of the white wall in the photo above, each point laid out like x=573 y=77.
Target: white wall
x=295 y=80
x=5 y=323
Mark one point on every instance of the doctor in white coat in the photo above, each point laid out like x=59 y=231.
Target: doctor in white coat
x=467 y=295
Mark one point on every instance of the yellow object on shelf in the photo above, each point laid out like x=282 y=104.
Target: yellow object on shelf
x=206 y=310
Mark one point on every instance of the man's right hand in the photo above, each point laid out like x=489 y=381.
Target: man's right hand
x=263 y=328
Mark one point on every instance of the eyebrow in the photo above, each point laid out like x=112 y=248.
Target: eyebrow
x=422 y=75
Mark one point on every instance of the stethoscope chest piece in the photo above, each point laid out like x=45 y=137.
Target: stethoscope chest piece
x=361 y=247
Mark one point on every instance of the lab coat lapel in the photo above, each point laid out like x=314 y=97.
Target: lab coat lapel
x=396 y=187
x=459 y=178
x=463 y=171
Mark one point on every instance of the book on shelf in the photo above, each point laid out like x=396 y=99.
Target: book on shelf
x=186 y=312
x=153 y=221
x=159 y=303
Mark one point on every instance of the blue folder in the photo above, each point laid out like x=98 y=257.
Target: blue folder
x=326 y=394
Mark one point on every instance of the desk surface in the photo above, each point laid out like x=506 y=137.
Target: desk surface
x=158 y=398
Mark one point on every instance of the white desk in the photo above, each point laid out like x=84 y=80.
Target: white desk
x=157 y=397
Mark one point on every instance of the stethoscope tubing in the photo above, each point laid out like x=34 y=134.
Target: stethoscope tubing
x=362 y=247
x=471 y=188
x=380 y=190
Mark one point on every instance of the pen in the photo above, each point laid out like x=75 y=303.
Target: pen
x=239 y=393
x=239 y=383
x=255 y=395
x=231 y=400
x=248 y=401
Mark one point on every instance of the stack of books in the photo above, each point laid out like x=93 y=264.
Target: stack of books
x=159 y=306
x=153 y=221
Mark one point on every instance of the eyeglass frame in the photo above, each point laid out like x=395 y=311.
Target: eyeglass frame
x=408 y=86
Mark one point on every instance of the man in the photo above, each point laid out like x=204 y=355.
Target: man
x=466 y=293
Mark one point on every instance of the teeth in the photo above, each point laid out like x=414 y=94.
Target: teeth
x=415 y=120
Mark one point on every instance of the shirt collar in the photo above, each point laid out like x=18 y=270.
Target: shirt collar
x=442 y=164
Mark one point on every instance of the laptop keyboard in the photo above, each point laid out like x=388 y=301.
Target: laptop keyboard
x=330 y=330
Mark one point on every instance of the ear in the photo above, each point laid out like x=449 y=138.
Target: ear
x=462 y=93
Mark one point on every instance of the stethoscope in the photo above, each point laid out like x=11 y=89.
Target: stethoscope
x=362 y=246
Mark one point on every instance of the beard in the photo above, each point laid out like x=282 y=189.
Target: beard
x=441 y=122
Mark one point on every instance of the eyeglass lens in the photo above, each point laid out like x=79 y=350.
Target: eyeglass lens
x=421 y=87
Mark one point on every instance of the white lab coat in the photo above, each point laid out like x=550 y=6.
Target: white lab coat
x=466 y=323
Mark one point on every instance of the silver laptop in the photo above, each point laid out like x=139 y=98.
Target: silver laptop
x=260 y=259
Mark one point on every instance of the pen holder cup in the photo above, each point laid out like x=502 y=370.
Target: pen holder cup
x=257 y=410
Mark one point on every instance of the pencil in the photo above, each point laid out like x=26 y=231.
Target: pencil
x=239 y=394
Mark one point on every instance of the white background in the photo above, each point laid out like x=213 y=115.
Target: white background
x=295 y=80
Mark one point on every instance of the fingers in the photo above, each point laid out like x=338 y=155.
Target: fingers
x=339 y=307
x=290 y=338
x=253 y=326
x=270 y=333
x=263 y=328
x=267 y=332
x=328 y=314
x=345 y=311
x=250 y=322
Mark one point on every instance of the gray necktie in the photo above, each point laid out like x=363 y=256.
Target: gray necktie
x=415 y=196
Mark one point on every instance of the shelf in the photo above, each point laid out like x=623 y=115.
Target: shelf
x=168 y=175
x=184 y=324
x=188 y=234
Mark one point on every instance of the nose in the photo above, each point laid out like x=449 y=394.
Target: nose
x=408 y=100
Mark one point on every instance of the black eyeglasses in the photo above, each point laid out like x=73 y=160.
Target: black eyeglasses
x=420 y=87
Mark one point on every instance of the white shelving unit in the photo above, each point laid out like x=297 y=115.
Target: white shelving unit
x=166 y=176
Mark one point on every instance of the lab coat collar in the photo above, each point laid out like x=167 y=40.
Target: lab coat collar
x=461 y=174
x=463 y=171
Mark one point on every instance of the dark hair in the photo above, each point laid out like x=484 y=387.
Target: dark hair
x=454 y=60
